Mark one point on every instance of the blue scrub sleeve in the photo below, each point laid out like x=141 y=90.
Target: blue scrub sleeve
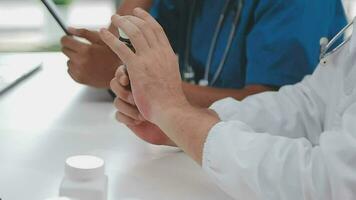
x=283 y=44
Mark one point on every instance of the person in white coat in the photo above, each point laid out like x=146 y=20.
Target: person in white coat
x=297 y=143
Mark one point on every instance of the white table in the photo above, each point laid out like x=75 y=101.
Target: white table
x=48 y=117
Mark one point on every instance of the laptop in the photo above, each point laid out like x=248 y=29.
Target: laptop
x=15 y=68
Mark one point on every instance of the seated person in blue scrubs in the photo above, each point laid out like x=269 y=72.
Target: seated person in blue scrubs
x=234 y=48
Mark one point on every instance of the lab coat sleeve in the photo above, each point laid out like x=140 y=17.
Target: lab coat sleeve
x=296 y=107
x=250 y=165
x=272 y=146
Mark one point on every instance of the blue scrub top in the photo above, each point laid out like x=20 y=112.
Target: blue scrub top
x=276 y=42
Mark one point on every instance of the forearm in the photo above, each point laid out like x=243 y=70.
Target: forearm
x=126 y=8
x=188 y=128
x=205 y=96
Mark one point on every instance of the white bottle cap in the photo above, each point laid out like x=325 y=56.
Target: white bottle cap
x=123 y=34
x=84 y=167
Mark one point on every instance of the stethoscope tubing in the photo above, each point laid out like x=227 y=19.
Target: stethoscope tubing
x=215 y=39
x=189 y=32
x=205 y=80
x=229 y=43
x=325 y=47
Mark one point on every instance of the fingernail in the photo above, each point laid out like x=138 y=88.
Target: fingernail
x=104 y=31
x=135 y=10
x=123 y=81
x=116 y=15
x=138 y=9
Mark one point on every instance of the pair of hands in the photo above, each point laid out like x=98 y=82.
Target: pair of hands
x=154 y=86
x=150 y=97
x=129 y=114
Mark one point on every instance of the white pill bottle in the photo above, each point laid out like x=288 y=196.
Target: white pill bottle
x=84 y=178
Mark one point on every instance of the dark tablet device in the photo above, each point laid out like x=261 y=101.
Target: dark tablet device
x=54 y=12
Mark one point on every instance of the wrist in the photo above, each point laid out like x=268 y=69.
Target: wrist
x=166 y=111
x=175 y=115
x=188 y=127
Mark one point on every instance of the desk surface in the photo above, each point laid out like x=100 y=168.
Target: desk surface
x=48 y=117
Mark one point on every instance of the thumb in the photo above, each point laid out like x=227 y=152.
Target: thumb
x=91 y=36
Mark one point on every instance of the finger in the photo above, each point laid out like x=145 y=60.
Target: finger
x=136 y=36
x=126 y=120
x=121 y=70
x=155 y=26
x=71 y=43
x=128 y=109
x=120 y=48
x=92 y=36
x=122 y=76
x=144 y=28
x=124 y=81
x=69 y=53
x=121 y=92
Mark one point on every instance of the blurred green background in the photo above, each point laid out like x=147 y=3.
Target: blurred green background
x=62 y=2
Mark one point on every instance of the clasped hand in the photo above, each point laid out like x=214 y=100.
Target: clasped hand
x=155 y=83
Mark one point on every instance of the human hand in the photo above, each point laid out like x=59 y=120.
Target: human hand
x=129 y=114
x=90 y=64
x=153 y=70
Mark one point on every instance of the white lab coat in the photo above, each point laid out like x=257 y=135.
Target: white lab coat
x=298 y=143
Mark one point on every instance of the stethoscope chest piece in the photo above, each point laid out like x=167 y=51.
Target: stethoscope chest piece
x=326 y=44
x=203 y=82
x=323 y=48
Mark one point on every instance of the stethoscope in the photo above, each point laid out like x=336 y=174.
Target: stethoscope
x=326 y=45
x=188 y=73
